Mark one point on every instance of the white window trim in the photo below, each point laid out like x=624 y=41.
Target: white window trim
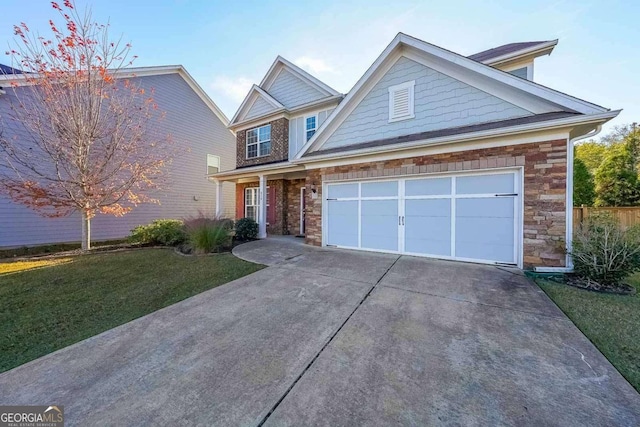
x=257 y=205
x=213 y=156
x=257 y=143
x=305 y=126
x=411 y=86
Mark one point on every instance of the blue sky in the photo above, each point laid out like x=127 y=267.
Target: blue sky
x=227 y=46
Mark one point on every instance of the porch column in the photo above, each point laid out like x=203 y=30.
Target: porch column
x=218 y=198
x=262 y=208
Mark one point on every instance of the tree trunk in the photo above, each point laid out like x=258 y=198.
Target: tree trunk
x=86 y=231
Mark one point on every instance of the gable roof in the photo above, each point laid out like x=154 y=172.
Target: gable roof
x=254 y=93
x=512 y=50
x=532 y=96
x=148 y=71
x=280 y=63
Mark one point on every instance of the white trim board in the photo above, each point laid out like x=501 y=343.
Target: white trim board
x=280 y=63
x=248 y=102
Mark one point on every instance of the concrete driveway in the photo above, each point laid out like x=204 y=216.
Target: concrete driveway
x=329 y=337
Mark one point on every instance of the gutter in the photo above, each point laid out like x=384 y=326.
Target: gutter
x=513 y=56
x=569 y=202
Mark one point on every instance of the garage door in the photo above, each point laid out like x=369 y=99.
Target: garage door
x=464 y=217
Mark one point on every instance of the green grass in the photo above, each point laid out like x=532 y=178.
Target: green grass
x=611 y=322
x=50 y=307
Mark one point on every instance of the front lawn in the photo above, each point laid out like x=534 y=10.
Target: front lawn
x=56 y=304
x=611 y=322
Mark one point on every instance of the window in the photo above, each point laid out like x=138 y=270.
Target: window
x=401 y=101
x=259 y=142
x=311 y=124
x=213 y=164
x=252 y=201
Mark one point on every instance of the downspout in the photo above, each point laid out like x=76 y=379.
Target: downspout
x=569 y=205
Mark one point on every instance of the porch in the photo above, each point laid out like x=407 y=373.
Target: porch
x=274 y=198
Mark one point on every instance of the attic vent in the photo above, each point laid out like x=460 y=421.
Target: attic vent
x=401 y=101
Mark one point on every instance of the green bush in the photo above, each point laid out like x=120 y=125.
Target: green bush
x=246 y=229
x=167 y=232
x=605 y=252
x=208 y=234
x=210 y=238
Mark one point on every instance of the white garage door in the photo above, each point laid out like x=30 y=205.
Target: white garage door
x=465 y=217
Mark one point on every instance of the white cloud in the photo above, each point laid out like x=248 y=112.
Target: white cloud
x=236 y=88
x=314 y=65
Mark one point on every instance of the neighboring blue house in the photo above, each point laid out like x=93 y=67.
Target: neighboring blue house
x=192 y=119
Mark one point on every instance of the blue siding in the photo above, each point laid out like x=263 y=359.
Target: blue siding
x=192 y=125
x=440 y=102
x=291 y=92
x=259 y=107
x=297 y=130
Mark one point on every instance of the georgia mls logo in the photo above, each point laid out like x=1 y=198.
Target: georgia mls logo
x=32 y=416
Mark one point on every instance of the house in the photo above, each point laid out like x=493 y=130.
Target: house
x=431 y=153
x=192 y=120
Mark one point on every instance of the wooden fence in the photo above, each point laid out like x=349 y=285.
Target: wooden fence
x=627 y=216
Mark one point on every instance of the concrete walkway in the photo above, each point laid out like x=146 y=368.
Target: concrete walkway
x=330 y=337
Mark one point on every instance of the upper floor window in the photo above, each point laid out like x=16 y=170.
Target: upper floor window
x=311 y=124
x=213 y=164
x=259 y=142
x=401 y=101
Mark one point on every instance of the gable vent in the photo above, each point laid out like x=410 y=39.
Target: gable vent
x=401 y=101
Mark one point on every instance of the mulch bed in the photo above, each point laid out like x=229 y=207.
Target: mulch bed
x=591 y=285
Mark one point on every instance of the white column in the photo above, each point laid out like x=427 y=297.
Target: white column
x=262 y=208
x=218 y=198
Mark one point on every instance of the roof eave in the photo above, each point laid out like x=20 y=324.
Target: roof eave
x=533 y=51
x=547 y=125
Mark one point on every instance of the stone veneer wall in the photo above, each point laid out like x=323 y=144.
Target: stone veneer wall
x=545 y=174
x=292 y=191
x=279 y=145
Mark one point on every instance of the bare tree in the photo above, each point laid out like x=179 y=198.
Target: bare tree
x=79 y=136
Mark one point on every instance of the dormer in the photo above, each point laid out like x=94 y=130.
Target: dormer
x=281 y=114
x=515 y=58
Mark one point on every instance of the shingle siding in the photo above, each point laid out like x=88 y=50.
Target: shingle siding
x=193 y=126
x=291 y=92
x=440 y=102
x=259 y=107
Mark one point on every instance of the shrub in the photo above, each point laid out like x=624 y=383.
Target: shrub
x=209 y=234
x=246 y=229
x=167 y=232
x=604 y=252
x=210 y=238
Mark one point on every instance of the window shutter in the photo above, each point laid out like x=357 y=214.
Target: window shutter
x=401 y=101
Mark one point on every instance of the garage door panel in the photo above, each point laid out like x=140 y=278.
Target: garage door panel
x=483 y=251
x=342 y=223
x=496 y=207
x=485 y=229
x=485 y=184
x=379 y=224
x=427 y=187
x=380 y=189
x=428 y=226
x=337 y=191
x=490 y=230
